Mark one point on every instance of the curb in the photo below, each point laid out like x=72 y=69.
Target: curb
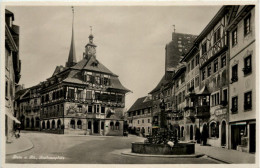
x=226 y=162
x=129 y=153
x=29 y=148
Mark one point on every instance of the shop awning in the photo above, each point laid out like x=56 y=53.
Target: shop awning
x=12 y=117
x=239 y=123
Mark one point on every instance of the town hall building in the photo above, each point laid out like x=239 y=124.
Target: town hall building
x=83 y=97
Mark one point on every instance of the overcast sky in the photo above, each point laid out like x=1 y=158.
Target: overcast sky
x=131 y=40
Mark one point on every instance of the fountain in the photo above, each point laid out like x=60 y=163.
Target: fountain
x=163 y=141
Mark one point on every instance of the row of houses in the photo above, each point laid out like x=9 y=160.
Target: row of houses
x=12 y=72
x=208 y=85
x=82 y=97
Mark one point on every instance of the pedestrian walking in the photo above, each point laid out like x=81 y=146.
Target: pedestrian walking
x=19 y=128
x=198 y=135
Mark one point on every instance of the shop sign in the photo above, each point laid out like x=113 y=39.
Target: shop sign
x=219 y=112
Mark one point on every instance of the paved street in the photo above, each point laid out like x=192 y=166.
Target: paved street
x=89 y=150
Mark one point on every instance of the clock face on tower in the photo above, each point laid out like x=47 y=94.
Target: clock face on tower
x=91 y=50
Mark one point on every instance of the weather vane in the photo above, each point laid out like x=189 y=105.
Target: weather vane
x=72 y=9
x=90 y=29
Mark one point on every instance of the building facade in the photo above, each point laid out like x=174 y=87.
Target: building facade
x=174 y=52
x=242 y=99
x=12 y=72
x=83 y=97
x=139 y=117
x=214 y=75
x=28 y=102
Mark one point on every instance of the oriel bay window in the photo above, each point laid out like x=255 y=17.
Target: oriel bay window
x=248 y=101
x=247 y=65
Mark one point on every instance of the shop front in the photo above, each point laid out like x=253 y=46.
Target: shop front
x=243 y=136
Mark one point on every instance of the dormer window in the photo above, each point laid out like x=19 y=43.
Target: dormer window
x=95 y=63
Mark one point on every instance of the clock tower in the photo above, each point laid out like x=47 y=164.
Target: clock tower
x=90 y=48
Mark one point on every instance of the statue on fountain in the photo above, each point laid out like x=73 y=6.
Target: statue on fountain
x=163 y=135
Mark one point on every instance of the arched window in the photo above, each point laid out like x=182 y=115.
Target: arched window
x=117 y=125
x=72 y=124
x=37 y=122
x=79 y=124
x=53 y=124
x=214 y=130
x=102 y=125
x=32 y=122
x=59 y=124
x=112 y=125
x=27 y=122
x=48 y=124
x=89 y=125
x=43 y=125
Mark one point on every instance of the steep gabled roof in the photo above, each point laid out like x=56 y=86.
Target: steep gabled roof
x=116 y=84
x=162 y=82
x=59 y=69
x=141 y=104
x=20 y=93
x=74 y=76
x=92 y=65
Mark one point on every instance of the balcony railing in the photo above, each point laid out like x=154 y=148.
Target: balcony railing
x=197 y=112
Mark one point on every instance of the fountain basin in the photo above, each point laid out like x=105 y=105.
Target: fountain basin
x=161 y=149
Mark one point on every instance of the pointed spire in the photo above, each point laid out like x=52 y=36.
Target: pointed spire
x=72 y=54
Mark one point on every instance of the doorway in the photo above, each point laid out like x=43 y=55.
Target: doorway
x=252 y=138
x=96 y=127
x=223 y=133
